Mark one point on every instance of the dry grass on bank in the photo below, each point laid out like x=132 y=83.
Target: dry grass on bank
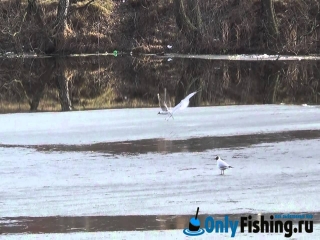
x=149 y=26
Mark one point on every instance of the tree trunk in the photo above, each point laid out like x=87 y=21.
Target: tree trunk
x=34 y=76
x=188 y=19
x=64 y=93
x=270 y=19
x=271 y=89
x=62 y=13
x=63 y=87
x=35 y=11
x=37 y=91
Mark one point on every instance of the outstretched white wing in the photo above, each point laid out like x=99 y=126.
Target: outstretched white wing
x=184 y=103
x=190 y=96
x=176 y=107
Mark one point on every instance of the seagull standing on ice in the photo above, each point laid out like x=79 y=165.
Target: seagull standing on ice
x=182 y=105
x=222 y=165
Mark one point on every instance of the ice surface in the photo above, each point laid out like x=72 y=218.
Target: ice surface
x=84 y=127
x=168 y=234
x=277 y=177
x=266 y=178
x=246 y=57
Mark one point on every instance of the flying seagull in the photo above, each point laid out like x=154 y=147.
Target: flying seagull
x=182 y=105
x=222 y=165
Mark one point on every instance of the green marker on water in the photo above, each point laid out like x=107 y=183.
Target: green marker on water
x=115 y=53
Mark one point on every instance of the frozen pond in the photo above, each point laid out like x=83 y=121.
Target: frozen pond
x=88 y=127
x=126 y=163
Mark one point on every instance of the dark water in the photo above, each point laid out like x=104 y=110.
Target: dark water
x=172 y=146
x=95 y=82
x=61 y=224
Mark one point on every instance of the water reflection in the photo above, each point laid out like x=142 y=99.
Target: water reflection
x=64 y=224
x=198 y=144
x=54 y=84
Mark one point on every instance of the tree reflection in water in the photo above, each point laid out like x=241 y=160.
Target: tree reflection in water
x=55 y=84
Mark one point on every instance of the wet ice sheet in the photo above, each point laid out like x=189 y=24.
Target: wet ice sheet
x=273 y=177
x=131 y=124
x=160 y=145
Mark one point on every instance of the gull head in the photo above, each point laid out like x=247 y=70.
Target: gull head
x=158 y=112
x=217 y=158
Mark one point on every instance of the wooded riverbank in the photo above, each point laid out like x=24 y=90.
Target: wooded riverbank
x=145 y=26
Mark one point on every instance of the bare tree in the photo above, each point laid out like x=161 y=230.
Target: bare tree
x=62 y=81
x=62 y=13
x=188 y=19
x=270 y=19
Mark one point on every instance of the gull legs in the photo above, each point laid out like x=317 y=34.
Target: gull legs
x=169 y=116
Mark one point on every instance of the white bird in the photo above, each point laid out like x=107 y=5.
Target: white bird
x=182 y=105
x=222 y=165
